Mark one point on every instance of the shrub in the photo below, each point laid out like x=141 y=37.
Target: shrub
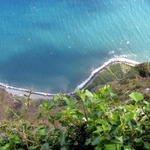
x=143 y=69
x=91 y=121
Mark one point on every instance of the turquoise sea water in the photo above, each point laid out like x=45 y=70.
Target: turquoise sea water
x=53 y=45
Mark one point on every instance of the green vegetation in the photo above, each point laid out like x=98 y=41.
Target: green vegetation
x=85 y=121
x=110 y=117
x=112 y=73
x=143 y=69
x=121 y=73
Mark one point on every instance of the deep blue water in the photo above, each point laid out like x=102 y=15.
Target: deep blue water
x=52 y=45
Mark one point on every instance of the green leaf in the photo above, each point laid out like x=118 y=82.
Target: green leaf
x=110 y=147
x=70 y=102
x=42 y=131
x=14 y=139
x=136 y=96
x=62 y=139
x=88 y=93
x=64 y=148
x=97 y=148
x=119 y=139
x=112 y=94
x=147 y=145
x=5 y=147
x=45 y=147
x=128 y=148
x=33 y=147
x=130 y=115
x=96 y=141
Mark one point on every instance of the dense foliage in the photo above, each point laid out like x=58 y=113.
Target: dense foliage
x=84 y=121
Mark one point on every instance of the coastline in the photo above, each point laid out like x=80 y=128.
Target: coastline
x=34 y=94
x=105 y=65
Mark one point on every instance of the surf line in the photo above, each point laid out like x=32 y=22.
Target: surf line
x=24 y=92
x=105 y=65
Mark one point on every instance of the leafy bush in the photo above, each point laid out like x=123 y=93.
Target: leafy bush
x=84 y=121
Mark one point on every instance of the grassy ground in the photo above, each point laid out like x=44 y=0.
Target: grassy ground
x=111 y=73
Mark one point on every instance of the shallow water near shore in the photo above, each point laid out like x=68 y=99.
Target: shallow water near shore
x=53 y=46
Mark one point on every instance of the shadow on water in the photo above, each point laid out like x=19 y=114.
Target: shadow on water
x=45 y=70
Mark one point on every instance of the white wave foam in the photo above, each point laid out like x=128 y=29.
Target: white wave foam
x=21 y=91
x=106 y=64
